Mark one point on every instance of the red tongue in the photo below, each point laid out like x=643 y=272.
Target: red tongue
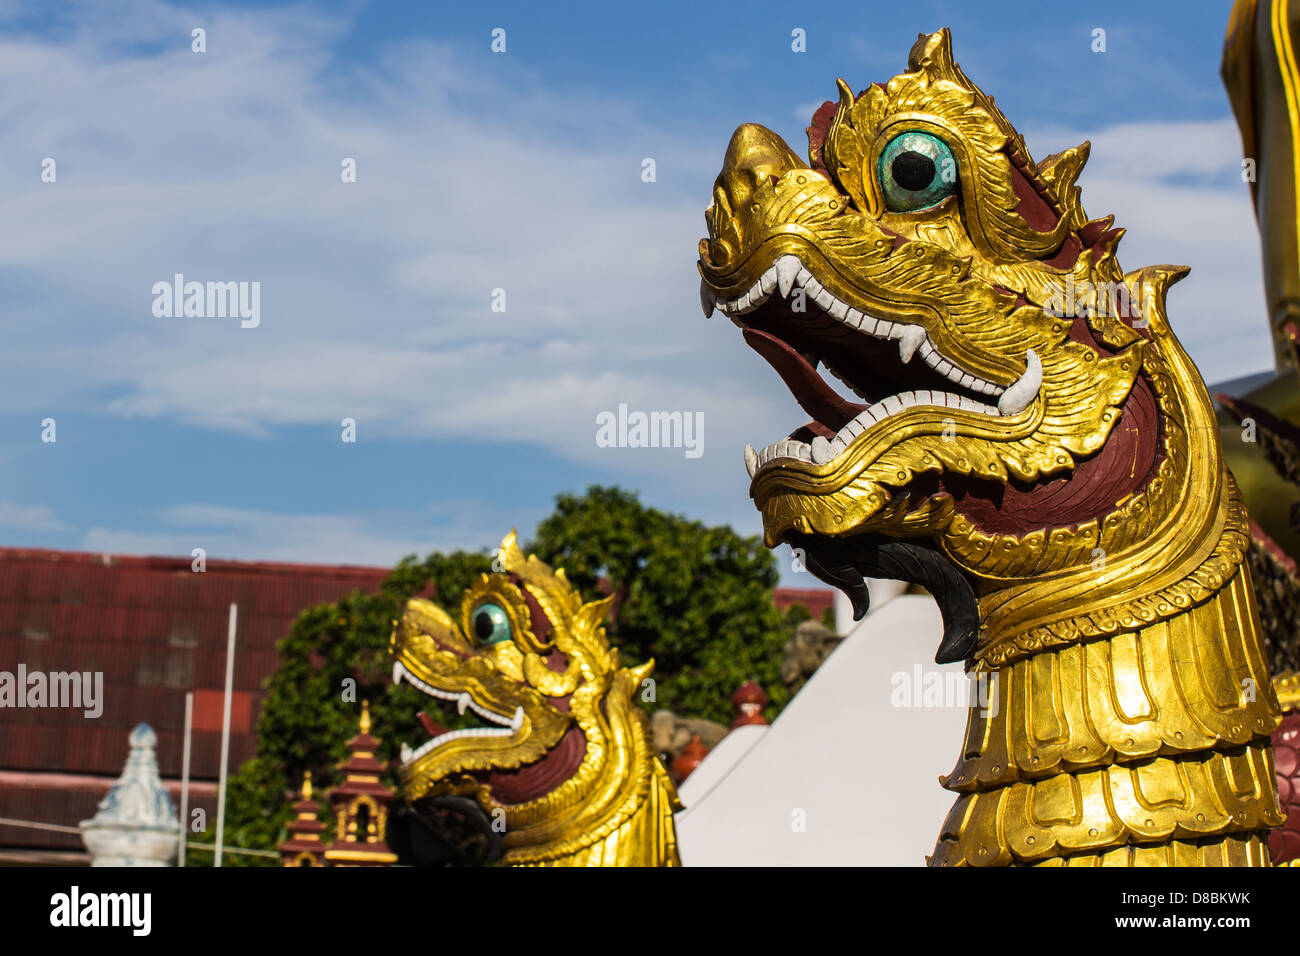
x=813 y=395
x=431 y=726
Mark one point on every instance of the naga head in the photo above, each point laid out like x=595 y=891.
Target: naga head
x=560 y=728
x=979 y=321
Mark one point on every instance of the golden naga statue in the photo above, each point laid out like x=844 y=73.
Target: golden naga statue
x=1031 y=443
x=566 y=766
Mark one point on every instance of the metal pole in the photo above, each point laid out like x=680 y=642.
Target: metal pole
x=225 y=736
x=185 y=776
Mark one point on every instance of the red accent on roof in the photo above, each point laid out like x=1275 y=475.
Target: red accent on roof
x=816 y=600
x=692 y=756
x=747 y=703
x=209 y=708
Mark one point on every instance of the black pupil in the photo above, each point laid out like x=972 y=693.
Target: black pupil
x=913 y=170
x=483 y=625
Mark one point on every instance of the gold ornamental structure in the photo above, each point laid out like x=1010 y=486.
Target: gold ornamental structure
x=1031 y=443
x=564 y=767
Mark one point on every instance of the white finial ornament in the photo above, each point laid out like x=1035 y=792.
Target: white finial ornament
x=136 y=823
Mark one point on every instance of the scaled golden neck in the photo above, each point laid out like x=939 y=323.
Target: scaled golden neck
x=1175 y=543
x=1132 y=704
x=617 y=808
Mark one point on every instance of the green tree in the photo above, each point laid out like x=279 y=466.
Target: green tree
x=697 y=599
x=335 y=656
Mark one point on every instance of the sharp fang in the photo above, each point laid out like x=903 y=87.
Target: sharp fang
x=1018 y=396
x=406 y=753
x=821 y=450
x=751 y=460
x=706 y=299
x=787 y=267
x=910 y=338
x=462 y=702
x=398 y=672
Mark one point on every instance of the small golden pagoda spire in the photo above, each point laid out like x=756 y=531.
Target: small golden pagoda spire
x=361 y=805
x=304 y=846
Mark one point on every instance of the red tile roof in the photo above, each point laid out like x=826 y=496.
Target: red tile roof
x=156 y=629
x=815 y=600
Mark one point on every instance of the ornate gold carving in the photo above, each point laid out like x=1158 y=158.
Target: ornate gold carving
x=1147 y=803
x=1134 y=705
x=616 y=808
x=1287 y=688
x=1191 y=682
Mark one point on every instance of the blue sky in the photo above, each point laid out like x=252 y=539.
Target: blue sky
x=478 y=171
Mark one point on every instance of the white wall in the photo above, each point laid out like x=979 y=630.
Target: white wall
x=860 y=772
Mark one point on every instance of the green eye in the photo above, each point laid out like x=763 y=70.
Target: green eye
x=917 y=171
x=491 y=625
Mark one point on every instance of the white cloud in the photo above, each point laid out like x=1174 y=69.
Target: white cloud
x=375 y=296
x=1176 y=187
x=374 y=539
x=28 y=517
x=803 y=113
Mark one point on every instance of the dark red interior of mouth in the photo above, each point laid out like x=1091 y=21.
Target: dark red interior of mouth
x=830 y=412
x=431 y=726
x=872 y=365
x=1126 y=462
x=532 y=780
x=540 y=777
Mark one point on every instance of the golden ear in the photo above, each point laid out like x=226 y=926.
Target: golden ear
x=1060 y=172
x=932 y=53
x=844 y=154
x=509 y=555
x=591 y=616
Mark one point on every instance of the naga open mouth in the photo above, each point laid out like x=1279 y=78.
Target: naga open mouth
x=797 y=324
x=503 y=726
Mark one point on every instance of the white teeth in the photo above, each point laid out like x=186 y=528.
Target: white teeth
x=463 y=703
x=786 y=273
x=786 y=448
x=1017 y=397
x=821 y=451
x=410 y=755
x=910 y=338
x=706 y=299
x=787 y=268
